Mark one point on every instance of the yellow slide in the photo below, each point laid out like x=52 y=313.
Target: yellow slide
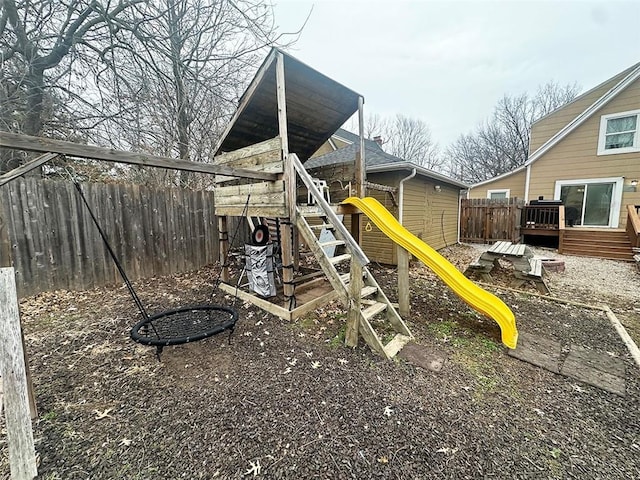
x=479 y=299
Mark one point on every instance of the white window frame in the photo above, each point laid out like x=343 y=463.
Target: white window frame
x=603 y=130
x=507 y=191
x=616 y=196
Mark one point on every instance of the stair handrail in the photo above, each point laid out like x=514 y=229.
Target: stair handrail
x=356 y=251
x=633 y=225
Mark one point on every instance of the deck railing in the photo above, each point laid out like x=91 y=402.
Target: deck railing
x=543 y=217
x=633 y=224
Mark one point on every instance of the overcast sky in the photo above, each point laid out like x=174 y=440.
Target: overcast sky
x=449 y=62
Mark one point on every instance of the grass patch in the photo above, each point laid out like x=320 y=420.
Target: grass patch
x=337 y=340
x=49 y=416
x=444 y=329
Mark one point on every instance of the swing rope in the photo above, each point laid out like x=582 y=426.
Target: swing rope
x=123 y=274
x=171 y=327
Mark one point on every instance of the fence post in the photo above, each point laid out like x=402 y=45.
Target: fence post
x=487 y=222
x=22 y=455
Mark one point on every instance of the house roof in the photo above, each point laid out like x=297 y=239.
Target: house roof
x=316 y=106
x=351 y=137
x=586 y=114
x=632 y=75
x=498 y=177
x=376 y=160
x=374 y=155
x=425 y=172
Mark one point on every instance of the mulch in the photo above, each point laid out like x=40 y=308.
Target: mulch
x=287 y=400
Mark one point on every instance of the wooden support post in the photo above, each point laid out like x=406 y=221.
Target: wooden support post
x=404 y=302
x=223 y=247
x=353 y=315
x=22 y=454
x=289 y=176
x=360 y=171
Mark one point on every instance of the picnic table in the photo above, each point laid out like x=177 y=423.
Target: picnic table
x=525 y=266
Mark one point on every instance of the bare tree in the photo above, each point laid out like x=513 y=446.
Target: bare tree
x=501 y=144
x=412 y=141
x=41 y=36
x=405 y=137
x=41 y=42
x=177 y=89
x=160 y=76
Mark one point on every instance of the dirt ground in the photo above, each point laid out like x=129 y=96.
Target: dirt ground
x=288 y=400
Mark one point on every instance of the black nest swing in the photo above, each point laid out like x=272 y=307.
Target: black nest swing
x=171 y=327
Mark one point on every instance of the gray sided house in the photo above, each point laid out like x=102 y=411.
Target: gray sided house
x=425 y=202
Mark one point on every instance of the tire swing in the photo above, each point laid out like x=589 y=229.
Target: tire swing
x=171 y=327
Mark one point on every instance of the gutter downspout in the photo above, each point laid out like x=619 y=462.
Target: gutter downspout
x=401 y=195
x=526 y=184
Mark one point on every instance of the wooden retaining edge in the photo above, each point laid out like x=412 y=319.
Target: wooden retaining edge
x=622 y=332
x=628 y=341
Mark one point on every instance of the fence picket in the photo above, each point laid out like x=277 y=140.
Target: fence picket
x=56 y=245
x=486 y=221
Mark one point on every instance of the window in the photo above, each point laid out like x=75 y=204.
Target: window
x=619 y=133
x=498 y=194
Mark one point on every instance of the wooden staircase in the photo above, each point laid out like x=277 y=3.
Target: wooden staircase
x=370 y=312
x=599 y=243
x=376 y=313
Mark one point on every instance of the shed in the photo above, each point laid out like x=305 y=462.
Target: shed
x=430 y=201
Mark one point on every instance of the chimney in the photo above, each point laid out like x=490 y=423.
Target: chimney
x=378 y=140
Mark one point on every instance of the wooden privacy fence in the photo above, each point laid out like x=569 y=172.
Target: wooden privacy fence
x=486 y=221
x=53 y=243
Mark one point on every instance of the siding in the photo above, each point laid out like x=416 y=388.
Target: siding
x=548 y=126
x=441 y=229
x=514 y=182
x=425 y=210
x=430 y=215
x=324 y=149
x=576 y=157
x=327 y=148
x=378 y=247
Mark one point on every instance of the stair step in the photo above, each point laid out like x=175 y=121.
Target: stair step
x=340 y=258
x=345 y=277
x=593 y=246
x=311 y=211
x=331 y=243
x=598 y=253
x=368 y=290
x=597 y=236
x=322 y=226
x=373 y=310
x=597 y=243
x=597 y=246
x=392 y=348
